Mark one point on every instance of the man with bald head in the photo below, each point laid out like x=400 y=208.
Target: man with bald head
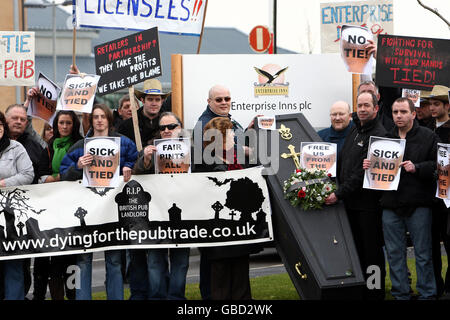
x=341 y=124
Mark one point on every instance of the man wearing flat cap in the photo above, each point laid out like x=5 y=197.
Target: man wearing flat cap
x=440 y=124
x=152 y=97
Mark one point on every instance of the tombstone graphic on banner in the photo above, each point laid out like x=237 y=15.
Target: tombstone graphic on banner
x=43 y=106
x=78 y=92
x=173 y=156
x=443 y=168
x=385 y=156
x=319 y=155
x=105 y=167
x=353 y=52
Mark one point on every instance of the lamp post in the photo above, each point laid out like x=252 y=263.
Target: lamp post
x=53 y=4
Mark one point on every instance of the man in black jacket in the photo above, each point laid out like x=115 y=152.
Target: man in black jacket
x=152 y=98
x=437 y=99
x=408 y=208
x=362 y=205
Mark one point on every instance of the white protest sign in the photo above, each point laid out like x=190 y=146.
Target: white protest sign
x=319 y=155
x=376 y=15
x=78 y=92
x=443 y=170
x=173 y=156
x=413 y=95
x=104 y=170
x=170 y=16
x=267 y=123
x=43 y=106
x=356 y=58
x=385 y=156
x=17 y=58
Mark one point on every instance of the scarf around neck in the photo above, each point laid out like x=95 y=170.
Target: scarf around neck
x=60 y=148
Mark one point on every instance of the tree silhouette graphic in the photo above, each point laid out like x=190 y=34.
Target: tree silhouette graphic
x=14 y=206
x=244 y=196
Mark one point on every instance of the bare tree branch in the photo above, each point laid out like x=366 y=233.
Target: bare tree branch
x=435 y=12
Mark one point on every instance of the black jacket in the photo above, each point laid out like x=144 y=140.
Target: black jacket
x=148 y=128
x=414 y=189
x=443 y=131
x=34 y=151
x=350 y=171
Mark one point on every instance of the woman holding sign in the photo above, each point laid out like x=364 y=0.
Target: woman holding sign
x=65 y=134
x=15 y=169
x=161 y=286
x=101 y=121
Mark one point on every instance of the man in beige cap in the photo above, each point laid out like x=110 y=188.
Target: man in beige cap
x=440 y=124
x=152 y=97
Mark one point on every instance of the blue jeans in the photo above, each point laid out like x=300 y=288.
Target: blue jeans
x=14 y=280
x=138 y=274
x=394 y=230
x=114 y=280
x=164 y=282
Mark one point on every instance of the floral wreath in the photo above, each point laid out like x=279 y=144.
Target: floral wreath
x=309 y=188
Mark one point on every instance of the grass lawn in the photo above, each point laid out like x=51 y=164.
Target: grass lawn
x=280 y=287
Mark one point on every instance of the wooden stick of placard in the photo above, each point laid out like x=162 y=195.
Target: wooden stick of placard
x=203 y=24
x=134 y=116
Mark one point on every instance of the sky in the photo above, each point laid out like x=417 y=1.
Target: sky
x=298 y=21
x=295 y=17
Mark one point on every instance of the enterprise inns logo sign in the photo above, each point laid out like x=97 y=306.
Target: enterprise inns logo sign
x=271 y=81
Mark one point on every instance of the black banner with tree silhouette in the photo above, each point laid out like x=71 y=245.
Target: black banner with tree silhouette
x=150 y=211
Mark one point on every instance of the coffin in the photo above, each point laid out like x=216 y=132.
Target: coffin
x=316 y=246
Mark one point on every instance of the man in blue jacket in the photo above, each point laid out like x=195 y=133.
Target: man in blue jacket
x=341 y=124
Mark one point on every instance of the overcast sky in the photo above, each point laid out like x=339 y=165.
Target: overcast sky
x=295 y=17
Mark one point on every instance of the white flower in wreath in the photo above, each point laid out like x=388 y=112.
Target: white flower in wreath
x=319 y=198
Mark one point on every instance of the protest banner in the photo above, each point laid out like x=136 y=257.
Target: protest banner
x=17 y=58
x=170 y=16
x=377 y=16
x=443 y=168
x=412 y=63
x=385 y=156
x=301 y=76
x=353 y=42
x=319 y=155
x=43 y=106
x=149 y=211
x=173 y=156
x=267 y=123
x=413 y=95
x=104 y=170
x=78 y=93
x=127 y=61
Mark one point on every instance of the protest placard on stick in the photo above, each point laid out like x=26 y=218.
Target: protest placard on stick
x=105 y=167
x=170 y=16
x=17 y=58
x=319 y=155
x=385 y=156
x=127 y=61
x=412 y=63
x=354 y=39
x=78 y=92
x=43 y=106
